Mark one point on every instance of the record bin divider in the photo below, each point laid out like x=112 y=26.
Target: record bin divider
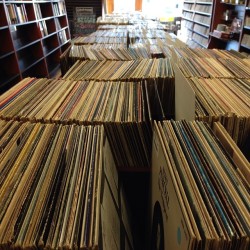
x=232 y=149
x=184 y=97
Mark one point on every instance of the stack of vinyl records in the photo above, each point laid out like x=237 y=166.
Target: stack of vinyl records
x=200 y=194
x=121 y=70
x=123 y=107
x=172 y=41
x=56 y=189
x=208 y=53
x=100 y=46
x=226 y=100
x=247 y=61
x=146 y=33
x=220 y=80
x=154 y=50
x=159 y=71
x=113 y=26
x=110 y=33
x=115 y=53
x=101 y=52
x=101 y=40
x=215 y=67
x=150 y=41
x=123 y=36
x=110 y=36
x=114 y=20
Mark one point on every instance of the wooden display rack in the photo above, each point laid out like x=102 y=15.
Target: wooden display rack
x=33 y=35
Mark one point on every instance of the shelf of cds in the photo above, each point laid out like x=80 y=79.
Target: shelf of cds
x=196 y=20
x=28 y=31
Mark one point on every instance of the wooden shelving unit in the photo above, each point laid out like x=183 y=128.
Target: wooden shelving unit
x=33 y=34
x=196 y=20
x=244 y=45
x=235 y=11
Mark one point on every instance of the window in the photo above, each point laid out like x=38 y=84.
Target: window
x=122 y=6
x=151 y=8
x=162 y=8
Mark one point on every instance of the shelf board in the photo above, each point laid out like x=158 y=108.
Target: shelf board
x=25 y=23
x=245 y=46
x=53 y=72
x=247 y=27
x=44 y=1
x=233 y=4
x=64 y=28
x=51 y=51
x=49 y=35
x=53 y=67
x=32 y=64
x=202 y=45
x=192 y=11
x=203 y=13
x=223 y=39
x=64 y=43
x=13 y=1
x=219 y=38
x=199 y=33
x=60 y=15
x=228 y=20
x=4 y=27
x=188 y=19
x=45 y=18
x=4 y=80
x=6 y=55
x=67 y=42
x=204 y=3
x=204 y=24
x=189 y=2
x=27 y=45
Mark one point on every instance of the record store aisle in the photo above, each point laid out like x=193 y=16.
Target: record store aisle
x=94 y=159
